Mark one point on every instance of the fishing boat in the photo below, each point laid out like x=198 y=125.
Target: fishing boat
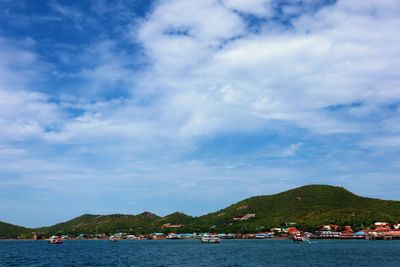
x=55 y=240
x=210 y=239
x=113 y=239
x=301 y=238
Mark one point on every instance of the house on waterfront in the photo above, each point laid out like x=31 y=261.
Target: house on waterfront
x=382 y=226
x=181 y=236
x=85 y=236
x=187 y=236
x=158 y=236
x=347 y=230
x=292 y=230
x=330 y=227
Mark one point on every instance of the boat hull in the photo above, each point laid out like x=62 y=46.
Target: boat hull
x=55 y=241
x=211 y=240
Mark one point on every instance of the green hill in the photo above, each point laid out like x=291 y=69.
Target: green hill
x=145 y=222
x=12 y=231
x=88 y=223
x=177 y=218
x=308 y=207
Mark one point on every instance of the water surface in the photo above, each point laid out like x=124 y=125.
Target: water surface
x=193 y=253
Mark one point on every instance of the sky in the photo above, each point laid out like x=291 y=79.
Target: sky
x=125 y=106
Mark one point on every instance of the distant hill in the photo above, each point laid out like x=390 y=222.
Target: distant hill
x=89 y=223
x=145 y=222
x=12 y=231
x=308 y=207
x=177 y=218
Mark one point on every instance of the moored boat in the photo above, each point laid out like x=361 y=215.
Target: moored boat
x=300 y=238
x=210 y=239
x=55 y=240
x=113 y=239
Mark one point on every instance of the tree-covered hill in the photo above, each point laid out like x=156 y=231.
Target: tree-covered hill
x=145 y=222
x=308 y=206
x=12 y=231
x=88 y=223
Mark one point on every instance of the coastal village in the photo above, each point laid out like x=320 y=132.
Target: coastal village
x=379 y=231
x=304 y=213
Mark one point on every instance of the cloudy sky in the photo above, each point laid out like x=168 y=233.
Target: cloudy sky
x=123 y=106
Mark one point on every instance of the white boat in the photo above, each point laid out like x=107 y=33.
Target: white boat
x=55 y=240
x=113 y=239
x=210 y=239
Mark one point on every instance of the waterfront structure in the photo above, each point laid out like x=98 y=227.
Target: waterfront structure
x=264 y=235
x=158 y=236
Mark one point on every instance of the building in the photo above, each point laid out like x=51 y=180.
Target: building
x=244 y=217
x=347 y=230
x=330 y=227
x=382 y=226
x=292 y=230
x=171 y=225
x=158 y=236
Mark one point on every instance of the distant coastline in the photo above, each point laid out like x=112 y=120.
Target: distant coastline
x=306 y=209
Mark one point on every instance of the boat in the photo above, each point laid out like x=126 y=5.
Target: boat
x=263 y=235
x=300 y=238
x=55 y=240
x=210 y=239
x=113 y=239
x=173 y=236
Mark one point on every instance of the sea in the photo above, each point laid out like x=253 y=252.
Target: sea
x=194 y=253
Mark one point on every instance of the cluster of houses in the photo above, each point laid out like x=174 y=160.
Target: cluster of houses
x=381 y=230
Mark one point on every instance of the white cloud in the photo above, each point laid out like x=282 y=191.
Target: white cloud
x=292 y=149
x=207 y=74
x=205 y=21
x=329 y=58
x=202 y=82
x=25 y=115
x=383 y=142
x=179 y=35
x=16 y=63
x=255 y=7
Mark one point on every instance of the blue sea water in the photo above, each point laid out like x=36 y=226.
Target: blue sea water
x=193 y=253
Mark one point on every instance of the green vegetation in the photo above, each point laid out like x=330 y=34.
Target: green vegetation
x=145 y=222
x=308 y=206
x=12 y=231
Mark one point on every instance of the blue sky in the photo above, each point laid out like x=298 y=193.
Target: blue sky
x=124 y=106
